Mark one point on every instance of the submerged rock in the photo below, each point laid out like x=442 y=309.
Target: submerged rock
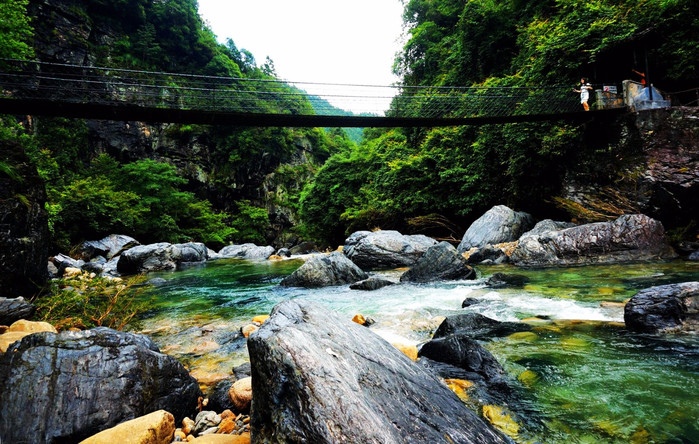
x=385 y=249
x=69 y=386
x=319 y=378
x=246 y=251
x=629 y=238
x=325 y=271
x=440 y=262
x=665 y=308
x=499 y=224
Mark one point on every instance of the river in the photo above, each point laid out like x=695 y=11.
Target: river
x=579 y=382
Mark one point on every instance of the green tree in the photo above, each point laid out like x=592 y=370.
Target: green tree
x=15 y=30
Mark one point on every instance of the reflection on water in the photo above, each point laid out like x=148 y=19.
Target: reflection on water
x=586 y=381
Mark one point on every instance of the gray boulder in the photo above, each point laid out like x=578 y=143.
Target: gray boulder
x=325 y=271
x=319 y=378
x=14 y=309
x=371 y=284
x=462 y=351
x=192 y=252
x=385 y=249
x=440 y=262
x=664 y=309
x=147 y=258
x=108 y=247
x=246 y=251
x=66 y=387
x=629 y=238
x=694 y=256
x=499 y=224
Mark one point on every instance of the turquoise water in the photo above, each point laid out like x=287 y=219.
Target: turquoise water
x=580 y=382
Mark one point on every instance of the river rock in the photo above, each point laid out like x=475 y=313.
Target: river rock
x=503 y=280
x=205 y=420
x=499 y=224
x=440 y=262
x=385 y=249
x=325 y=271
x=464 y=352
x=371 y=284
x=240 y=395
x=304 y=247
x=665 y=309
x=107 y=247
x=13 y=309
x=154 y=428
x=694 y=256
x=69 y=386
x=246 y=251
x=283 y=252
x=477 y=326
x=61 y=261
x=319 y=378
x=634 y=237
x=192 y=252
x=146 y=258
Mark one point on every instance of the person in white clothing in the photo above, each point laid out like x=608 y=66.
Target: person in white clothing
x=584 y=91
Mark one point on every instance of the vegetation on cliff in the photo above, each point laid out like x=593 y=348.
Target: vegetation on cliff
x=200 y=183
x=403 y=178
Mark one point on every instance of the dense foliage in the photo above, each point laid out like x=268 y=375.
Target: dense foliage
x=398 y=177
x=154 y=199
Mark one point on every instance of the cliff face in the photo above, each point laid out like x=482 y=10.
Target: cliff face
x=24 y=236
x=646 y=162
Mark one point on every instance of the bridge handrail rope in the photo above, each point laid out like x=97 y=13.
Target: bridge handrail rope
x=69 y=83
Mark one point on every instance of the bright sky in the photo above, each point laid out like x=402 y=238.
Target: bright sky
x=324 y=41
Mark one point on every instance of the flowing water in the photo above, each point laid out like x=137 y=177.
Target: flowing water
x=581 y=377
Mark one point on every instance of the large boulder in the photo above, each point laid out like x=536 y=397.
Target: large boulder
x=665 y=308
x=192 y=252
x=440 y=262
x=499 y=224
x=317 y=377
x=66 y=387
x=146 y=258
x=385 y=249
x=629 y=238
x=246 y=251
x=325 y=271
x=107 y=247
x=14 y=309
x=160 y=256
x=24 y=232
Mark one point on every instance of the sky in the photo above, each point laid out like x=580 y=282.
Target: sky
x=321 y=41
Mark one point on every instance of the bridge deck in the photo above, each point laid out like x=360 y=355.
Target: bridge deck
x=39 y=88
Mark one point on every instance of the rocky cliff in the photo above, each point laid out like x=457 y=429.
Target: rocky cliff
x=645 y=162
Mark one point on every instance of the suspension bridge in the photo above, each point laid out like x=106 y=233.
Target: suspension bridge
x=52 y=89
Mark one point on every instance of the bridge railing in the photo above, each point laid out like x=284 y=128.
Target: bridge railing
x=64 y=83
